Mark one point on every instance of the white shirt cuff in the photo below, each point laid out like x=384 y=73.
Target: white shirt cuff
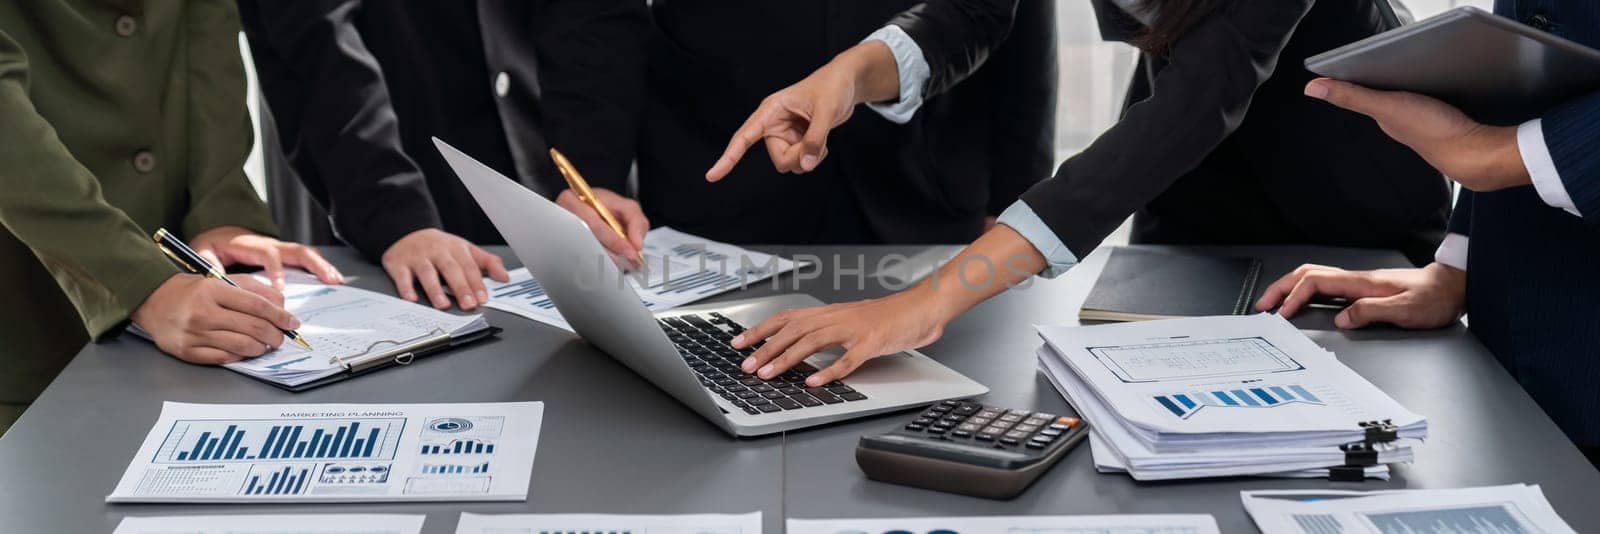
x=1542 y=168
x=1022 y=218
x=913 y=72
x=1453 y=251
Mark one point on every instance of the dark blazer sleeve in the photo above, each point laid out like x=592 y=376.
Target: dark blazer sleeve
x=335 y=119
x=1024 y=70
x=956 y=36
x=1572 y=133
x=1196 y=101
x=591 y=56
x=1461 y=218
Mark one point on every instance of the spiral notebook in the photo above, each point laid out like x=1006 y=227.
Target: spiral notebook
x=1143 y=285
x=353 y=331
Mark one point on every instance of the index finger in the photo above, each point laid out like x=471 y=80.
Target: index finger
x=1273 y=295
x=748 y=135
x=249 y=283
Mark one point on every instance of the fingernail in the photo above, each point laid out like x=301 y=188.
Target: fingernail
x=1342 y=320
x=749 y=364
x=808 y=162
x=738 y=341
x=467 y=301
x=483 y=296
x=1317 y=89
x=294 y=322
x=814 y=382
x=766 y=372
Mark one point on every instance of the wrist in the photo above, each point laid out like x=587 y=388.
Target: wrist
x=872 y=69
x=1503 y=155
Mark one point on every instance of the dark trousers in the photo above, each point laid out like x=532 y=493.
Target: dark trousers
x=1593 y=453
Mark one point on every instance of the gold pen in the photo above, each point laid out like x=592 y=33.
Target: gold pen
x=580 y=187
x=189 y=260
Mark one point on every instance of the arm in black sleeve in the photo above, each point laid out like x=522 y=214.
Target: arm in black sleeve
x=335 y=121
x=956 y=36
x=1024 y=69
x=591 y=75
x=1197 y=100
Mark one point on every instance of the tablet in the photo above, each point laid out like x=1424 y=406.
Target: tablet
x=1493 y=68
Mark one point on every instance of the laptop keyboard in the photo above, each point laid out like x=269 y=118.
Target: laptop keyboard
x=702 y=341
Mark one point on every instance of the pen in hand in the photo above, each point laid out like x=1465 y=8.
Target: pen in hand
x=580 y=187
x=189 y=260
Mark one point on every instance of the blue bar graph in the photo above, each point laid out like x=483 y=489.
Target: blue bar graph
x=1189 y=403
x=431 y=469
x=460 y=446
x=290 y=480
x=214 y=441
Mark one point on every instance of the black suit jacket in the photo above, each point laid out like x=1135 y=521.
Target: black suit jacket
x=1217 y=143
x=966 y=154
x=358 y=88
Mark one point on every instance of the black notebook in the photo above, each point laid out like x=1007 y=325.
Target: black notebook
x=1142 y=285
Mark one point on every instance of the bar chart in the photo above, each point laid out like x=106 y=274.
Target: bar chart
x=1186 y=404
x=459 y=446
x=286 y=480
x=223 y=441
x=449 y=469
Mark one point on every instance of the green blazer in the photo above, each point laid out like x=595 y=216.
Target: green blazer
x=118 y=117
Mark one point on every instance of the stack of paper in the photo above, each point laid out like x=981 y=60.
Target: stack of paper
x=1517 y=508
x=679 y=269
x=1218 y=396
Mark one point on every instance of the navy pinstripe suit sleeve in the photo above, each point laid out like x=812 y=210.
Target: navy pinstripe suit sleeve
x=1572 y=132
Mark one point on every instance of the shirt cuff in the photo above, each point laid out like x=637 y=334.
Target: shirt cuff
x=913 y=72
x=1453 y=251
x=1022 y=218
x=1542 y=168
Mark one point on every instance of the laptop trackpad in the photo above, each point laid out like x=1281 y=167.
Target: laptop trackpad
x=884 y=369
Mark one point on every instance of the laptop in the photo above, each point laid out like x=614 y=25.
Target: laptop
x=685 y=351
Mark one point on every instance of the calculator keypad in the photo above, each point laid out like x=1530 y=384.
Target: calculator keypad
x=983 y=426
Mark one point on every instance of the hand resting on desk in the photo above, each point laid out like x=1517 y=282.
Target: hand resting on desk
x=1430 y=297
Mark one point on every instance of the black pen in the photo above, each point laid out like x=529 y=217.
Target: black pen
x=189 y=260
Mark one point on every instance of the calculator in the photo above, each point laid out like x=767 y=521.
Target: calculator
x=968 y=448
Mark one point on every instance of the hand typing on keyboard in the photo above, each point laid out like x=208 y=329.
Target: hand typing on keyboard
x=702 y=341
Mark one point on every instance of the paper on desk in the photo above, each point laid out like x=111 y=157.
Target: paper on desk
x=609 y=524
x=1024 y=524
x=341 y=322
x=680 y=268
x=255 y=453
x=1511 y=509
x=274 y=524
x=1250 y=380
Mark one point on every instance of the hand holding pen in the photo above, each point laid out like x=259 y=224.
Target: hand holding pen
x=617 y=221
x=201 y=318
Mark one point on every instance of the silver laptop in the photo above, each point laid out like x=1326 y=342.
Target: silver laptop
x=684 y=351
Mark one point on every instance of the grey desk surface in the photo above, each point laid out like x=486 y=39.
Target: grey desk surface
x=612 y=443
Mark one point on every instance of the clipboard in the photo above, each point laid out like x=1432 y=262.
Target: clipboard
x=386 y=357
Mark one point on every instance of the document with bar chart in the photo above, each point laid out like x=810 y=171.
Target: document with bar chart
x=1036 y=524
x=335 y=453
x=679 y=269
x=609 y=524
x=1232 y=374
x=1511 y=509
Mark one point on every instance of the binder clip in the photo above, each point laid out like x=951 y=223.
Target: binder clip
x=1380 y=431
x=1347 y=473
